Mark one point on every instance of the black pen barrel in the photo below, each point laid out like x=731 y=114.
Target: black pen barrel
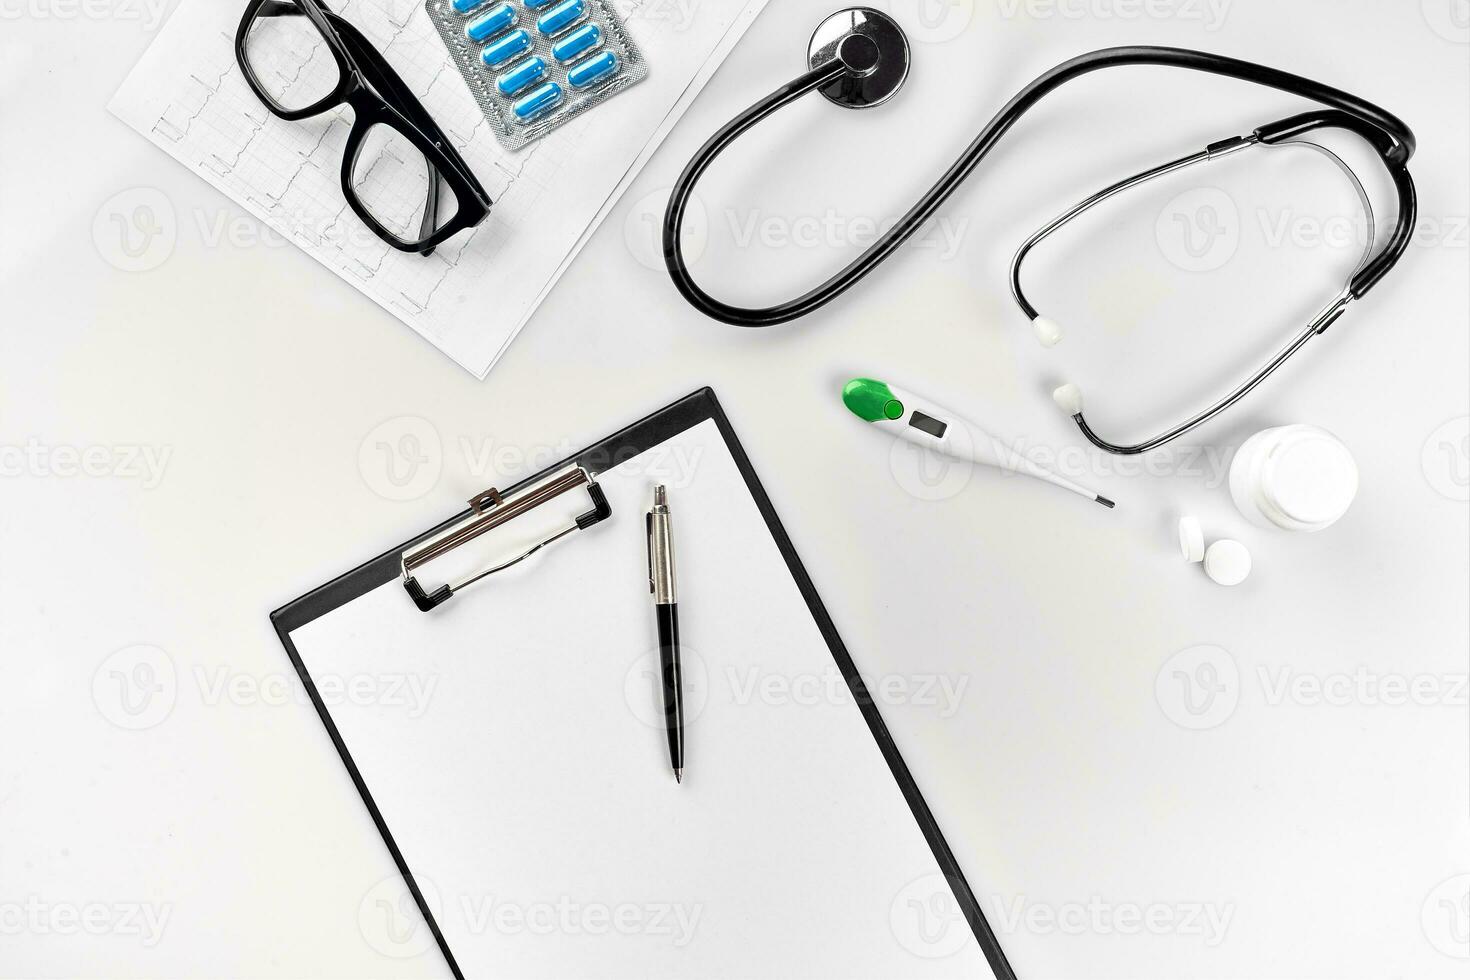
x=673 y=680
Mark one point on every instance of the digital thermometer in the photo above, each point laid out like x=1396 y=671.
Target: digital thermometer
x=925 y=424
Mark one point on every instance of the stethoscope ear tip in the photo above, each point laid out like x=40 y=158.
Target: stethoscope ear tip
x=1069 y=399
x=1048 y=332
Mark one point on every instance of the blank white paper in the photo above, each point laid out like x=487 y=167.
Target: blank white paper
x=531 y=794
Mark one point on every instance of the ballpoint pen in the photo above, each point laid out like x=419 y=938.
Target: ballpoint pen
x=666 y=605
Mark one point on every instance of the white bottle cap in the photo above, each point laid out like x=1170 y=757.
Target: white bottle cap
x=1227 y=562
x=1297 y=477
x=1191 y=539
x=1310 y=479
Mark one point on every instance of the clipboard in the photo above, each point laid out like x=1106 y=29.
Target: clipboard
x=853 y=845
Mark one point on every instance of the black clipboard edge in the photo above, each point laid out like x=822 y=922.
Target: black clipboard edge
x=622 y=445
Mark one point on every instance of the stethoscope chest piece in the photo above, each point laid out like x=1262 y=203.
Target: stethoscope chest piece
x=872 y=46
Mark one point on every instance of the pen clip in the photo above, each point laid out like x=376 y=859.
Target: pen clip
x=648 y=541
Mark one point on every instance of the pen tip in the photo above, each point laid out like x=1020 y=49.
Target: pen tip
x=678 y=775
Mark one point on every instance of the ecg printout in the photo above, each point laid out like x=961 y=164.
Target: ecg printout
x=472 y=296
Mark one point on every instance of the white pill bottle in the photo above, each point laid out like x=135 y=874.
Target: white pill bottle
x=1296 y=477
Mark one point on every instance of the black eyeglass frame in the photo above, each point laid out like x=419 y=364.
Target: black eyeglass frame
x=377 y=95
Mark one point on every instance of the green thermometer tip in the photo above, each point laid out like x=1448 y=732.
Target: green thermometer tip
x=871 y=401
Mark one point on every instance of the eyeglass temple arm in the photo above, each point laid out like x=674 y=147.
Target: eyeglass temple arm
x=381 y=74
x=382 y=77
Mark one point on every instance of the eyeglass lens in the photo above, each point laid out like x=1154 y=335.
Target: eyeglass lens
x=290 y=59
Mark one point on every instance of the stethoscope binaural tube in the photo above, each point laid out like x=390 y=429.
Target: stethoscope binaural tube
x=1284 y=133
x=1394 y=140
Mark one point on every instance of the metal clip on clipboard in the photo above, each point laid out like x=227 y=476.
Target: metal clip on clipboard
x=490 y=510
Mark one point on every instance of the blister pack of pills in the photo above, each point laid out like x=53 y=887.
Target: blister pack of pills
x=535 y=64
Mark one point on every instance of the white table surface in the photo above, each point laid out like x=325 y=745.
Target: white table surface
x=189 y=445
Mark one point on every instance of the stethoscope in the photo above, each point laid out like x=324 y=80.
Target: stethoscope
x=858 y=58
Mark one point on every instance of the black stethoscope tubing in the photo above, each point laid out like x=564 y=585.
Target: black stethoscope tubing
x=1389 y=135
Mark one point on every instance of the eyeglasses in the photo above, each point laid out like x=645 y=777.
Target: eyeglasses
x=400 y=172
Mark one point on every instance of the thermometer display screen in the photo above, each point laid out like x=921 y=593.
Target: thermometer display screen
x=925 y=423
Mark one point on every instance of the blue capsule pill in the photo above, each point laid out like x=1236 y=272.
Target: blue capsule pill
x=491 y=22
x=584 y=38
x=541 y=99
x=465 y=6
x=593 y=70
x=562 y=16
x=520 y=75
x=502 y=49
